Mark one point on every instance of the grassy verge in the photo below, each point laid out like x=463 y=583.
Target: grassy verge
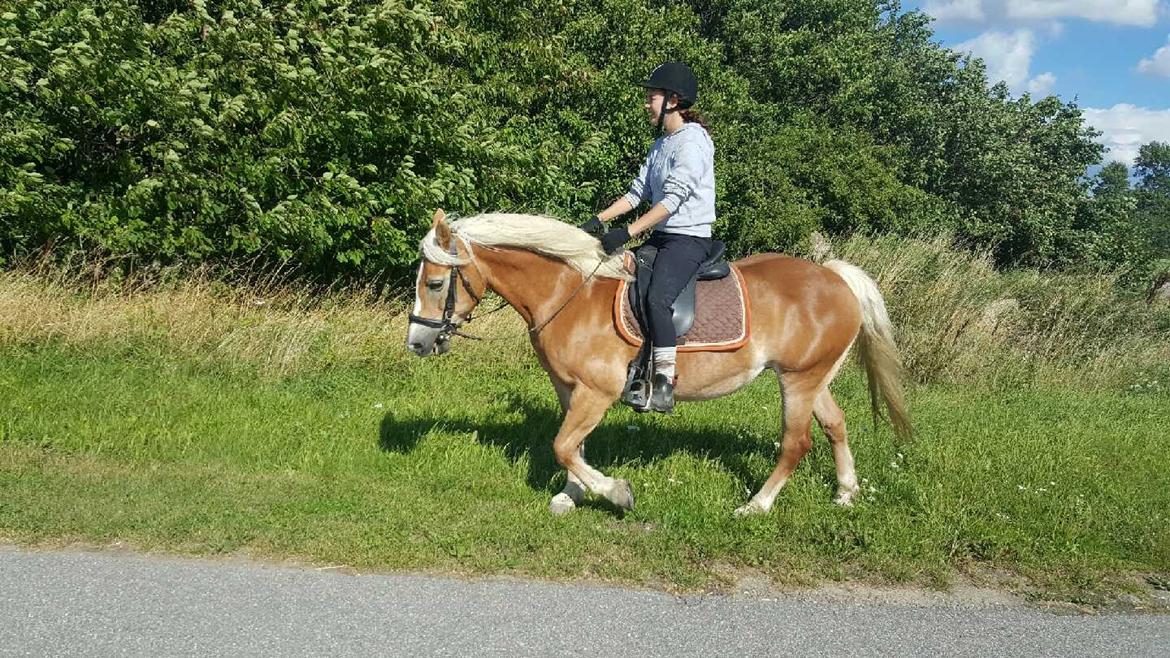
x=216 y=421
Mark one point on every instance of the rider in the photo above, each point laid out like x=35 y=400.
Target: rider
x=678 y=179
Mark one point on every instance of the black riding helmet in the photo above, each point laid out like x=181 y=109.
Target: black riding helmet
x=676 y=78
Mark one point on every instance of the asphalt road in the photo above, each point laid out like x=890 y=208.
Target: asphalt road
x=92 y=603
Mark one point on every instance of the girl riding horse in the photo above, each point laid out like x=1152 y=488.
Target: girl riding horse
x=678 y=180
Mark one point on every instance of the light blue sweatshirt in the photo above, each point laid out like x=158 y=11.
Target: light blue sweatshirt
x=679 y=173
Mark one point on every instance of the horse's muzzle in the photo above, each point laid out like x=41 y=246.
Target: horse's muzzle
x=424 y=342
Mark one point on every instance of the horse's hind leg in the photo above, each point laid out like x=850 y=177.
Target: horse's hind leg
x=800 y=390
x=832 y=421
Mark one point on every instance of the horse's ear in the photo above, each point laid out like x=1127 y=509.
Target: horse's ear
x=442 y=231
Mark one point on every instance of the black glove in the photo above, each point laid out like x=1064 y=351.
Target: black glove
x=594 y=227
x=613 y=241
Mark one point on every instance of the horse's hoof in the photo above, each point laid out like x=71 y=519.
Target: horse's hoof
x=561 y=504
x=845 y=497
x=622 y=494
x=751 y=508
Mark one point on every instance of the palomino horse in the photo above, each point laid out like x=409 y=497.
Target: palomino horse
x=804 y=318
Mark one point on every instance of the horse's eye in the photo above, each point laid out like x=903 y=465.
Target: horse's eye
x=435 y=284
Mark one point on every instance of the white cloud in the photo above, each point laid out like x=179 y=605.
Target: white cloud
x=1126 y=127
x=958 y=11
x=1158 y=63
x=1120 y=12
x=1041 y=85
x=1008 y=56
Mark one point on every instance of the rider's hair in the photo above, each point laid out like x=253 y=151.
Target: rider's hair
x=691 y=115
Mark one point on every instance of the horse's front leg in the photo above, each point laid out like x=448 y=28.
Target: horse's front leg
x=574 y=491
x=569 y=497
x=585 y=410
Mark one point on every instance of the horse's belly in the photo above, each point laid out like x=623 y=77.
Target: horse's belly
x=708 y=375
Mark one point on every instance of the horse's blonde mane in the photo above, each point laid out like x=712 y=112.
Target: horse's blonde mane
x=538 y=233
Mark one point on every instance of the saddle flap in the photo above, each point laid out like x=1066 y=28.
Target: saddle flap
x=684 y=305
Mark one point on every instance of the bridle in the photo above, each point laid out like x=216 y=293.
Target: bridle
x=446 y=327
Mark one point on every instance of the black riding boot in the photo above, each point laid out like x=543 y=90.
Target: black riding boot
x=662 y=394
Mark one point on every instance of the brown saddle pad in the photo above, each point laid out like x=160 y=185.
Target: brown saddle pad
x=722 y=316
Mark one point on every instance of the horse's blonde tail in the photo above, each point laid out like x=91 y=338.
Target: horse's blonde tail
x=876 y=348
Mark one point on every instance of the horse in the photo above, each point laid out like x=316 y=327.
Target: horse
x=804 y=319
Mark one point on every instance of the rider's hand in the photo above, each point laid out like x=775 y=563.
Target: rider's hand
x=594 y=227
x=613 y=241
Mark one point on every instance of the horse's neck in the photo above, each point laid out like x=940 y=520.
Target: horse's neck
x=532 y=284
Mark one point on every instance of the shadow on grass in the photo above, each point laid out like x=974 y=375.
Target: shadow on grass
x=610 y=444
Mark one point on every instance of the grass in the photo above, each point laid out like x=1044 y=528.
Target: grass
x=203 y=419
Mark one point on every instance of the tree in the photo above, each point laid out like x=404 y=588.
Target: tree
x=1103 y=229
x=321 y=135
x=1152 y=215
x=1152 y=167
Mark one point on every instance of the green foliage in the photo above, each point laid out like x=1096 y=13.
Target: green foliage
x=1152 y=215
x=317 y=133
x=323 y=133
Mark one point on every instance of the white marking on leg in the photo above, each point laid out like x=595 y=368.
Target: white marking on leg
x=561 y=503
x=832 y=421
x=751 y=508
x=573 y=493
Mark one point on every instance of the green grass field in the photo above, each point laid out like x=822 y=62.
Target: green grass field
x=211 y=421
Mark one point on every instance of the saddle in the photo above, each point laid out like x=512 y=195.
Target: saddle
x=714 y=267
x=710 y=314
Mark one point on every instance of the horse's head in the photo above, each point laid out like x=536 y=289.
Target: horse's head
x=445 y=293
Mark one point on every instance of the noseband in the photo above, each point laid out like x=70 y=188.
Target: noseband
x=446 y=327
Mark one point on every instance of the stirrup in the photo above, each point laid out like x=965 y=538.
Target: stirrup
x=637 y=395
x=637 y=391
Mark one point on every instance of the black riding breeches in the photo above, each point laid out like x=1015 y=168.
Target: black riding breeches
x=678 y=259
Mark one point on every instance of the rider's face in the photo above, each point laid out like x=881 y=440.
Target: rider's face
x=653 y=105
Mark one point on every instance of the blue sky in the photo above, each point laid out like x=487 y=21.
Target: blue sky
x=1111 y=56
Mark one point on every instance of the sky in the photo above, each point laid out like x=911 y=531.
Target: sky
x=1111 y=57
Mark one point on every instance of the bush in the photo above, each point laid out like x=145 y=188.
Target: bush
x=321 y=134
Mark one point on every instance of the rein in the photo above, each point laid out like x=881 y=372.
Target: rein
x=447 y=328
x=560 y=308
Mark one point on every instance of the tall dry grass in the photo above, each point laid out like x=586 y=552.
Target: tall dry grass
x=960 y=320
x=957 y=318
x=269 y=323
